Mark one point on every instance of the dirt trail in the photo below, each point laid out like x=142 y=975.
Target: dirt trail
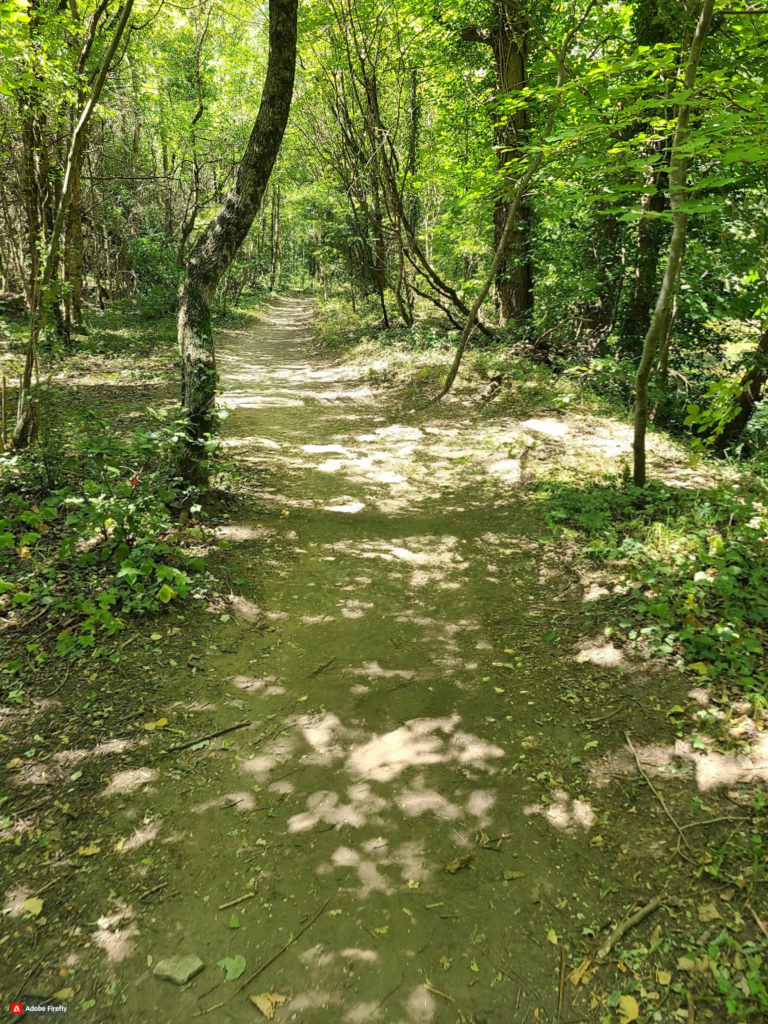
x=411 y=674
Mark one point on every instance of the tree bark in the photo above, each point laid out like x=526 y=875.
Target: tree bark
x=508 y=39
x=216 y=248
x=677 y=181
x=752 y=384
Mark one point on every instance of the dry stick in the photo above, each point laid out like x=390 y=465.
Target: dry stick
x=210 y=1009
x=758 y=920
x=437 y=992
x=629 y=922
x=280 y=952
x=240 y=899
x=526 y=984
x=561 y=992
x=656 y=793
x=208 y=736
x=5 y=431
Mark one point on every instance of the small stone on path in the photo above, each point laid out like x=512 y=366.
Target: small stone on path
x=179 y=968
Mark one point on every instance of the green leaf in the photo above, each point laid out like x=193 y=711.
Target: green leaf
x=233 y=965
x=165 y=594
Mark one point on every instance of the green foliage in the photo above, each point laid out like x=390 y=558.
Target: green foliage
x=693 y=562
x=89 y=533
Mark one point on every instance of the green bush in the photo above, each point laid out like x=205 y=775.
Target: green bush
x=94 y=534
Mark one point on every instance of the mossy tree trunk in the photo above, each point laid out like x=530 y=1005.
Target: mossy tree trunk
x=218 y=245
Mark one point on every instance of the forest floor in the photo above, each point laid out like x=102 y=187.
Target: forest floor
x=436 y=787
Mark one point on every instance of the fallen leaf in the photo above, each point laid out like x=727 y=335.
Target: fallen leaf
x=552 y=936
x=383 y=930
x=234 y=921
x=233 y=965
x=445 y=962
x=64 y=993
x=628 y=1009
x=473 y=966
x=412 y=884
x=457 y=864
x=482 y=839
x=685 y=964
x=709 y=912
x=510 y=876
x=576 y=976
x=596 y=841
x=33 y=905
x=267 y=1002
x=727 y=895
x=663 y=977
x=89 y=851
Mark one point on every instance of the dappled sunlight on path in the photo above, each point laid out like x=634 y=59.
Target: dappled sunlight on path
x=410 y=754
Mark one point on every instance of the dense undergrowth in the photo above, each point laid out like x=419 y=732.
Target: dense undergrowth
x=695 y=564
x=95 y=528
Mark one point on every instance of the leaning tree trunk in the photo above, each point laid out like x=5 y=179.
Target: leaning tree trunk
x=677 y=192
x=752 y=384
x=218 y=245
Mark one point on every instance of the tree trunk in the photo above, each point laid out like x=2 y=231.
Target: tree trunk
x=752 y=384
x=218 y=245
x=508 y=38
x=677 y=182
x=29 y=414
x=274 y=266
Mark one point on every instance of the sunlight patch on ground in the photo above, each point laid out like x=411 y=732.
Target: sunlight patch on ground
x=130 y=780
x=236 y=801
x=146 y=832
x=564 y=813
x=115 y=941
x=326 y=807
x=604 y=655
x=386 y=756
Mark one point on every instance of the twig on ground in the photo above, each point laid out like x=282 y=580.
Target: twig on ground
x=712 y=821
x=518 y=977
x=280 y=952
x=758 y=920
x=208 y=736
x=240 y=899
x=437 y=992
x=691 y=1010
x=321 y=668
x=63 y=681
x=561 y=990
x=656 y=793
x=210 y=1009
x=629 y=922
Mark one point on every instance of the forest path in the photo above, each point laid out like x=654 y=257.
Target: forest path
x=390 y=636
